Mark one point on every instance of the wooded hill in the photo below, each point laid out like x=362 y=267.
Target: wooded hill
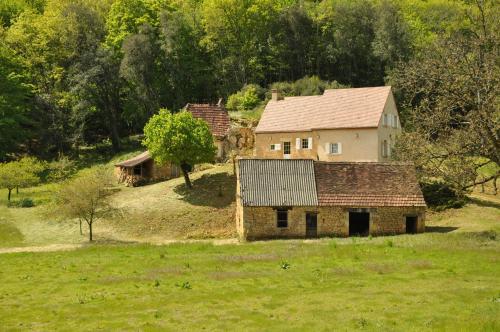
x=77 y=72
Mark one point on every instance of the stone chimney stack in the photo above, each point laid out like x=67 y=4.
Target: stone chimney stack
x=275 y=95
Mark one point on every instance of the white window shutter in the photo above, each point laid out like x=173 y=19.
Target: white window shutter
x=297 y=143
x=310 y=143
x=339 y=147
x=327 y=148
x=277 y=146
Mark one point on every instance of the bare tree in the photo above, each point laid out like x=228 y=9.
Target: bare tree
x=450 y=103
x=85 y=197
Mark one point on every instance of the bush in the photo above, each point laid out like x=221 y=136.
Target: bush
x=23 y=203
x=306 y=86
x=245 y=99
x=440 y=196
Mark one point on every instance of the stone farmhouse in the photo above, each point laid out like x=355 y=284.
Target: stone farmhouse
x=305 y=198
x=218 y=121
x=358 y=124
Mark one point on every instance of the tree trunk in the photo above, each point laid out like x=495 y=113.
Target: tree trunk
x=185 y=171
x=17 y=190
x=113 y=127
x=8 y=197
x=90 y=231
x=81 y=232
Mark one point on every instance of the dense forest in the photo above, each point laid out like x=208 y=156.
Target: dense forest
x=76 y=72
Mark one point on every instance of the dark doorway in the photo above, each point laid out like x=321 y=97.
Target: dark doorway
x=411 y=225
x=359 y=223
x=311 y=225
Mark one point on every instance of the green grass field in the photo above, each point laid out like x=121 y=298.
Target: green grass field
x=444 y=280
x=435 y=281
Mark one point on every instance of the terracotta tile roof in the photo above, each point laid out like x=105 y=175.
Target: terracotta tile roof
x=366 y=184
x=215 y=115
x=277 y=182
x=145 y=156
x=336 y=108
x=297 y=182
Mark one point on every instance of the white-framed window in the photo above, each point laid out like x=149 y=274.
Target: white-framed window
x=334 y=148
x=275 y=147
x=394 y=121
x=386 y=149
x=305 y=143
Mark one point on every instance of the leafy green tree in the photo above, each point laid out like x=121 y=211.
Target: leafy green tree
x=85 y=197
x=15 y=101
x=245 y=99
x=23 y=173
x=180 y=139
x=392 y=42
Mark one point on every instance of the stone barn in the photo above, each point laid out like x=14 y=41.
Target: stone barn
x=301 y=198
x=218 y=121
x=142 y=169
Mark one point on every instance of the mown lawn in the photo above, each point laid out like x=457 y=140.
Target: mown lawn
x=438 y=281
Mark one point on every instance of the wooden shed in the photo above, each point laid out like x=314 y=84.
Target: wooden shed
x=142 y=169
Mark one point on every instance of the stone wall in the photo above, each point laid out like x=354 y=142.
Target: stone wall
x=261 y=222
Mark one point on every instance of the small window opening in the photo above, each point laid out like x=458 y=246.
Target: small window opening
x=305 y=143
x=138 y=170
x=282 y=218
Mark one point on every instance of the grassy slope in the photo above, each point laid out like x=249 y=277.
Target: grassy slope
x=429 y=281
x=152 y=213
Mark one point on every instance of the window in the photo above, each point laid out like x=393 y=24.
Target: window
x=385 y=149
x=335 y=148
x=394 y=121
x=385 y=121
x=282 y=218
x=275 y=147
x=138 y=170
x=305 y=143
x=286 y=148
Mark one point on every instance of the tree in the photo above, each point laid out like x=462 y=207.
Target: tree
x=180 y=139
x=85 y=197
x=450 y=101
x=20 y=174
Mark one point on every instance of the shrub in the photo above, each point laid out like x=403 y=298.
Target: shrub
x=245 y=99
x=440 y=196
x=26 y=203
x=23 y=203
x=285 y=265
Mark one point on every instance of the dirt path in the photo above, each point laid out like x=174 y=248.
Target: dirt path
x=69 y=246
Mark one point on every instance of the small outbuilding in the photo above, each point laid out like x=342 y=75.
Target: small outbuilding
x=217 y=118
x=300 y=198
x=142 y=169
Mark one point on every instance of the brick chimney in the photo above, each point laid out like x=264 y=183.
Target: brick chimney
x=275 y=95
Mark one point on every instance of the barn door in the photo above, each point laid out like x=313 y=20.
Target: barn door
x=311 y=225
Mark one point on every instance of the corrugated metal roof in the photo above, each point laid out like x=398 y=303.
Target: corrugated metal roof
x=274 y=182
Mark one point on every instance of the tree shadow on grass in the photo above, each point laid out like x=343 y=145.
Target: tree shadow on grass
x=215 y=190
x=440 y=229
x=484 y=203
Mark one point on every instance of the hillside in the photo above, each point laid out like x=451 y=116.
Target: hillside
x=153 y=213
